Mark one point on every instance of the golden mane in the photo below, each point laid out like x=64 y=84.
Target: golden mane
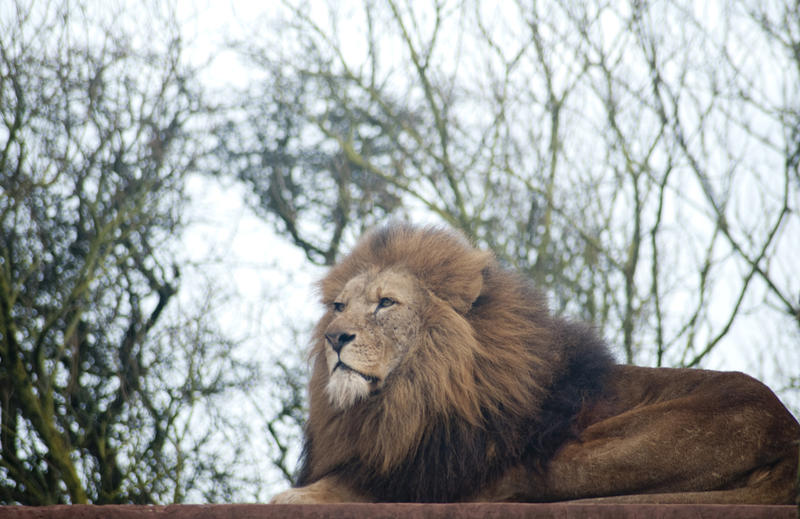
x=477 y=394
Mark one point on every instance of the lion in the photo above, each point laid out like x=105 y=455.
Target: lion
x=440 y=376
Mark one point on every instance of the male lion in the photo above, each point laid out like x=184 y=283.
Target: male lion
x=440 y=376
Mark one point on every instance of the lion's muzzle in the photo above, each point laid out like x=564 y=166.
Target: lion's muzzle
x=344 y=367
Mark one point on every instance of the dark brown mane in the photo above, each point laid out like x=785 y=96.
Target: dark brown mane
x=496 y=381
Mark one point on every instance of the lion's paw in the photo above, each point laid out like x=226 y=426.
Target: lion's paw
x=291 y=497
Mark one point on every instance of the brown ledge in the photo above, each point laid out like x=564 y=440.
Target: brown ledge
x=439 y=511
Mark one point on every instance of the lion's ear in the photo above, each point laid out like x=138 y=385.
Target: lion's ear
x=462 y=282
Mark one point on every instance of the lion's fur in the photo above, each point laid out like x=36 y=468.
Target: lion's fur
x=495 y=399
x=477 y=395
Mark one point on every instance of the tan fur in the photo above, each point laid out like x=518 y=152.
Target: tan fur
x=443 y=352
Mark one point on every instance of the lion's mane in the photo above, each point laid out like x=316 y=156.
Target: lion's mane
x=494 y=381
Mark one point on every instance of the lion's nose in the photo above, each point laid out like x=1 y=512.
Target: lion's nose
x=338 y=340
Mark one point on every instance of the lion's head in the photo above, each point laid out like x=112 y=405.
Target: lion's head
x=376 y=321
x=430 y=359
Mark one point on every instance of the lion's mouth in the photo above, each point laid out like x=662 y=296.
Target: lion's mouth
x=344 y=367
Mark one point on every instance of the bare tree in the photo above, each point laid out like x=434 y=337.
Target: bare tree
x=101 y=377
x=638 y=160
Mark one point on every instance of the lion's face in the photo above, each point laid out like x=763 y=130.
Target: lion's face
x=376 y=319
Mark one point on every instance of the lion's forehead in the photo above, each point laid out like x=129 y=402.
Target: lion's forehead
x=374 y=285
x=357 y=286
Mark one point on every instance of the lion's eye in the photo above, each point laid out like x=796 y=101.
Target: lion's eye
x=385 y=302
x=338 y=307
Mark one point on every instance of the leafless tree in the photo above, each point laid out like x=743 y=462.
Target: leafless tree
x=101 y=375
x=638 y=159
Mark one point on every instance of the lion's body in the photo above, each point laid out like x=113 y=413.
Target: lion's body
x=440 y=376
x=671 y=436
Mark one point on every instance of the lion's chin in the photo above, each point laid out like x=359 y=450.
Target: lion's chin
x=346 y=387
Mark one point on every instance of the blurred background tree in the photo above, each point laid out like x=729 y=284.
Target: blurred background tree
x=102 y=378
x=638 y=160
